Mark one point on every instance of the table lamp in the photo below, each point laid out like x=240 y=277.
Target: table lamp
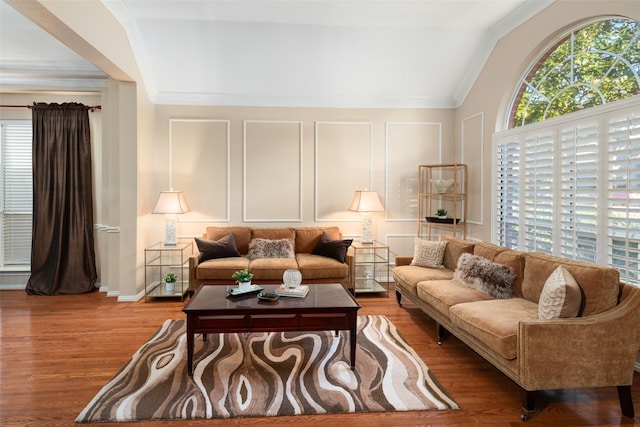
x=366 y=202
x=170 y=203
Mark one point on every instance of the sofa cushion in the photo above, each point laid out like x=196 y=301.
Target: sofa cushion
x=515 y=260
x=308 y=237
x=267 y=248
x=336 y=249
x=211 y=249
x=561 y=296
x=242 y=236
x=428 y=253
x=487 y=250
x=221 y=268
x=271 y=268
x=320 y=267
x=455 y=248
x=273 y=233
x=442 y=294
x=408 y=276
x=494 y=322
x=485 y=276
x=600 y=285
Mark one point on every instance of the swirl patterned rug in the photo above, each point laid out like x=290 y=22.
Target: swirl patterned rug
x=269 y=374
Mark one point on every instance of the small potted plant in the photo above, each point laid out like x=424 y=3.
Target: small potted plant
x=243 y=278
x=170 y=280
x=441 y=214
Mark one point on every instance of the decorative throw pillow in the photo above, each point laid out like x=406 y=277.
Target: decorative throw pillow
x=212 y=249
x=336 y=249
x=561 y=296
x=428 y=253
x=485 y=276
x=267 y=248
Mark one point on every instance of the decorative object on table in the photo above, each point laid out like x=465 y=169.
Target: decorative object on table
x=297 y=292
x=268 y=296
x=366 y=202
x=234 y=292
x=442 y=185
x=243 y=278
x=292 y=278
x=171 y=203
x=170 y=280
x=441 y=214
x=169 y=393
x=442 y=220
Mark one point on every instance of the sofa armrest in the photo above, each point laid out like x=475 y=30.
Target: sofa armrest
x=193 y=263
x=403 y=260
x=593 y=351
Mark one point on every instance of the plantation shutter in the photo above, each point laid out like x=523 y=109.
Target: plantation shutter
x=16 y=187
x=579 y=191
x=623 y=193
x=508 y=192
x=538 y=191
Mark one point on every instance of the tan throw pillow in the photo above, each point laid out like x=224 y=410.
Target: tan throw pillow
x=560 y=297
x=428 y=253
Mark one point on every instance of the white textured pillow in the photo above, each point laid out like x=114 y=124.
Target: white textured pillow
x=428 y=253
x=560 y=297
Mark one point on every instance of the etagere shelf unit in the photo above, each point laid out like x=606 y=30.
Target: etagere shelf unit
x=442 y=186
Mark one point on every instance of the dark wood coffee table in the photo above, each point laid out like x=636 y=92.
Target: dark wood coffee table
x=326 y=307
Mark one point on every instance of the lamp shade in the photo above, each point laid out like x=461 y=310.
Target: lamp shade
x=366 y=201
x=171 y=202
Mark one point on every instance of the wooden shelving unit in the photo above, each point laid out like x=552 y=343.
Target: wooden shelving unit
x=442 y=186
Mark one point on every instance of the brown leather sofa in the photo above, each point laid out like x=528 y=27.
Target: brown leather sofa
x=269 y=270
x=598 y=348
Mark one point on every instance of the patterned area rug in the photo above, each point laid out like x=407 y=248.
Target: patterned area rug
x=269 y=374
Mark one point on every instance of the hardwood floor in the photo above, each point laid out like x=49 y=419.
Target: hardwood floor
x=57 y=352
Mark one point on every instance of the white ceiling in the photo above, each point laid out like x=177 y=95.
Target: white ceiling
x=334 y=53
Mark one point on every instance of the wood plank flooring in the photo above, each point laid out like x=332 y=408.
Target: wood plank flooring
x=57 y=352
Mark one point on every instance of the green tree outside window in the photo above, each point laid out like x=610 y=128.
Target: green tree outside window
x=591 y=66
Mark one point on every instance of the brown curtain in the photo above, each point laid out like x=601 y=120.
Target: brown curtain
x=62 y=247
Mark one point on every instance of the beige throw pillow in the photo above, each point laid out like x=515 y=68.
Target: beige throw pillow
x=428 y=253
x=560 y=297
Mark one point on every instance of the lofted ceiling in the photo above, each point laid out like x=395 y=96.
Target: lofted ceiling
x=320 y=53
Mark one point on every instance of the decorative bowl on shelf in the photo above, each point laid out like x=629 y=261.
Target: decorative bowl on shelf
x=442 y=185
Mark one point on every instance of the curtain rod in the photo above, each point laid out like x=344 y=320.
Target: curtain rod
x=93 y=108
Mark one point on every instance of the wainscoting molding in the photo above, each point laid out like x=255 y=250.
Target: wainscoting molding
x=273 y=193
x=472 y=153
x=407 y=145
x=338 y=176
x=201 y=148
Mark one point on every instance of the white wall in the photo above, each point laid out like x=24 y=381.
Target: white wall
x=271 y=167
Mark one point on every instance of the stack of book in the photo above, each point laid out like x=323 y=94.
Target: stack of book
x=297 y=292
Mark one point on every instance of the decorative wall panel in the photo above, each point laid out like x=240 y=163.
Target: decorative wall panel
x=472 y=153
x=199 y=155
x=343 y=164
x=408 y=145
x=272 y=165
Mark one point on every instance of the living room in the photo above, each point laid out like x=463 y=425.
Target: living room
x=274 y=165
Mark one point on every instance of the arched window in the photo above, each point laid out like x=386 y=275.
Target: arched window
x=593 y=65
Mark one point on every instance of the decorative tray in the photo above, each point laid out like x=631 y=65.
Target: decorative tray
x=236 y=291
x=268 y=296
x=441 y=220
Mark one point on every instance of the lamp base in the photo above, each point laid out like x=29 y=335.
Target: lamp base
x=170 y=230
x=367 y=227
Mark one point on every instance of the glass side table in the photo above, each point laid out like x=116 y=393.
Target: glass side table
x=370 y=272
x=160 y=259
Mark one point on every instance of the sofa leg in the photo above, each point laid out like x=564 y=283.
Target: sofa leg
x=441 y=333
x=398 y=298
x=528 y=404
x=626 y=402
